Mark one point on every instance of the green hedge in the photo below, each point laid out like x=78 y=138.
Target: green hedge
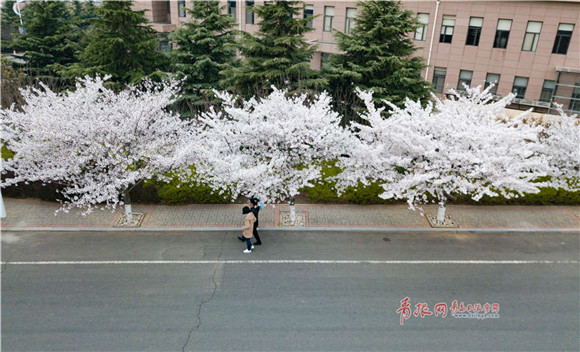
x=323 y=192
x=174 y=193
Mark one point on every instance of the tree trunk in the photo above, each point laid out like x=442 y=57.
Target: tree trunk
x=2 y=208
x=128 y=211
x=292 y=211
x=441 y=212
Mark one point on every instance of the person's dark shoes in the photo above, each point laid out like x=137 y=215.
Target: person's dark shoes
x=257 y=243
x=241 y=239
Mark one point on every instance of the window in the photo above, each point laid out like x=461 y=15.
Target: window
x=439 y=79
x=165 y=44
x=474 y=31
x=324 y=60
x=328 y=18
x=547 y=90
x=350 y=20
x=181 y=8
x=464 y=78
x=168 y=6
x=575 y=102
x=520 y=86
x=309 y=12
x=502 y=33
x=421 y=32
x=492 y=78
x=249 y=12
x=232 y=9
x=447 y=29
x=532 y=36
x=563 y=38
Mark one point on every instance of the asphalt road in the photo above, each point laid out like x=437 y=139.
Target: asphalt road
x=298 y=292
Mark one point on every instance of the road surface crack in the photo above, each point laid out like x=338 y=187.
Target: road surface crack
x=4 y=266
x=204 y=301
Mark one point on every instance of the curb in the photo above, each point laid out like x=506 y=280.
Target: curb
x=297 y=229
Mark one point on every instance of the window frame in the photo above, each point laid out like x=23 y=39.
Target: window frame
x=473 y=32
x=501 y=38
x=249 y=13
x=560 y=36
x=324 y=59
x=574 y=105
x=437 y=77
x=328 y=24
x=547 y=91
x=444 y=37
x=229 y=7
x=181 y=8
x=515 y=88
x=423 y=27
x=531 y=38
x=349 y=22
x=488 y=82
x=306 y=14
x=462 y=80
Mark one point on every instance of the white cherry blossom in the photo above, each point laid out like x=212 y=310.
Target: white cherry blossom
x=455 y=146
x=96 y=143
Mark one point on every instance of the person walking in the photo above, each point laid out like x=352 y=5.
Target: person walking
x=254 y=204
x=249 y=221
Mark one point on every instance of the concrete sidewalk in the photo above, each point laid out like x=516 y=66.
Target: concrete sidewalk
x=33 y=215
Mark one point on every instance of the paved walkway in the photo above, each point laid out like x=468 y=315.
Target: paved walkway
x=33 y=214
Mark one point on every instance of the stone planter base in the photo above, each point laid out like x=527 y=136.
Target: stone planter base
x=136 y=221
x=287 y=222
x=448 y=222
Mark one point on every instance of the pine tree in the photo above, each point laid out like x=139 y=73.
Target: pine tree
x=204 y=46
x=11 y=83
x=276 y=55
x=10 y=24
x=121 y=44
x=378 y=56
x=83 y=13
x=50 y=41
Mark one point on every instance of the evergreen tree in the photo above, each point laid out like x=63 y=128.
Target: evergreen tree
x=378 y=56
x=204 y=46
x=121 y=44
x=83 y=13
x=11 y=83
x=50 y=42
x=276 y=55
x=10 y=24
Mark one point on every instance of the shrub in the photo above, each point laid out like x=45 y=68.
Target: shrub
x=324 y=192
x=175 y=192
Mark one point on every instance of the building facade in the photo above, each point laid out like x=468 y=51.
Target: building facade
x=531 y=48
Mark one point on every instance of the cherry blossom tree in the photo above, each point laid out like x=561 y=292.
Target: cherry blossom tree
x=96 y=143
x=562 y=140
x=455 y=146
x=271 y=147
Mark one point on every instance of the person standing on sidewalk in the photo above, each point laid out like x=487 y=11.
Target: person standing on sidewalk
x=249 y=221
x=255 y=207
